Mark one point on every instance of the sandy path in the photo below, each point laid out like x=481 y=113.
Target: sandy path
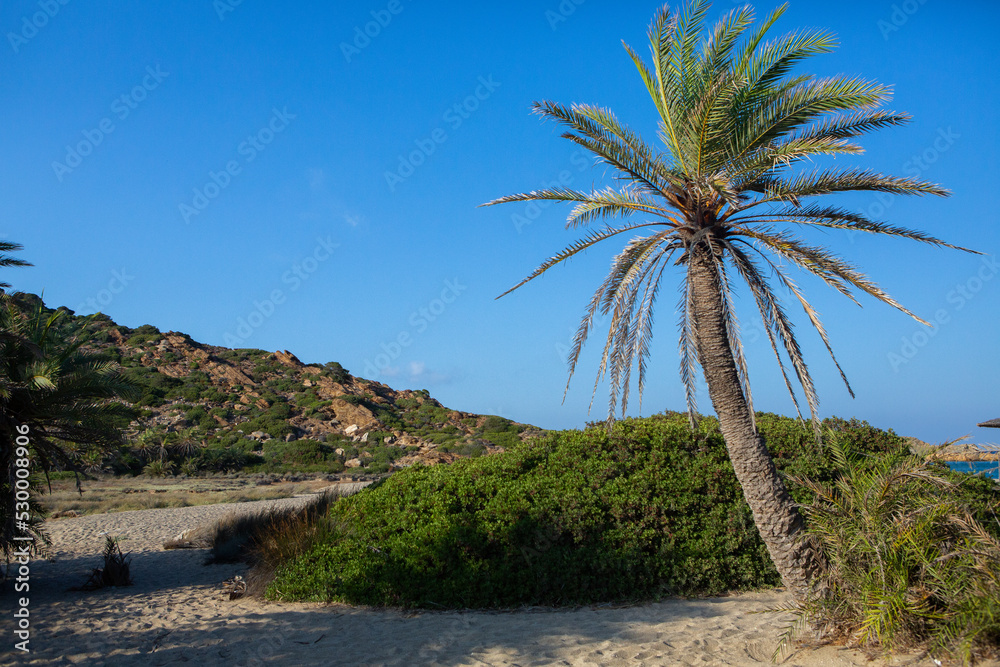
x=175 y=613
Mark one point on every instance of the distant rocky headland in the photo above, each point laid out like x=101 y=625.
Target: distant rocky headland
x=958 y=452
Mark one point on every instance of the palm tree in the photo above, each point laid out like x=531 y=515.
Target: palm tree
x=69 y=400
x=716 y=199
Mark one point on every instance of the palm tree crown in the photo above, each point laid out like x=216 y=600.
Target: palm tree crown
x=734 y=123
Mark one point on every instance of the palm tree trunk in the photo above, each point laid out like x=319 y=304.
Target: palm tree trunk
x=774 y=513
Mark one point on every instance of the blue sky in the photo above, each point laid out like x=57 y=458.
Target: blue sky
x=278 y=176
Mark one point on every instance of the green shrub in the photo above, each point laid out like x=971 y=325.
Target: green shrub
x=226 y=460
x=213 y=395
x=279 y=410
x=275 y=427
x=246 y=445
x=154 y=386
x=139 y=341
x=336 y=372
x=494 y=423
x=354 y=399
x=465 y=448
x=504 y=439
x=574 y=517
x=298 y=452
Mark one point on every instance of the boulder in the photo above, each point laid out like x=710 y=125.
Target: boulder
x=358 y=415
x=287 y=358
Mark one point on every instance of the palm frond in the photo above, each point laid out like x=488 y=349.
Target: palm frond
x=839 y=218
x=833 y=270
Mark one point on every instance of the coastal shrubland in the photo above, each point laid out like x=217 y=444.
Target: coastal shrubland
x=649 y=509
x=652 y=509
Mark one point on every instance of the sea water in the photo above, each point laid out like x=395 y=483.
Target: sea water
x=975 y=467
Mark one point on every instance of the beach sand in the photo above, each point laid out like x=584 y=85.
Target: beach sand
x=177 y=613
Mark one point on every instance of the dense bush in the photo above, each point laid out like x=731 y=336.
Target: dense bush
x=573 y=517
x=144 y=335
x=298 y=452
x=477 y=448
x=504 y=439
x=336 y=372
x=279 y=410
x=274 y=426
x=225 y=460
x=494 y=423
x=154 y=385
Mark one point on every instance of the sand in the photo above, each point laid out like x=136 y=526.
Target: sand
x=177 y=613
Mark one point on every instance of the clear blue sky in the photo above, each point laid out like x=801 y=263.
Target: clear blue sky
x=182 y=164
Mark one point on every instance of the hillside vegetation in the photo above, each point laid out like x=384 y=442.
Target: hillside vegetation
x=204 y=408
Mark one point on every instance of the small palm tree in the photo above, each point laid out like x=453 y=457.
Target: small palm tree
x=69 y=402
x=715 y=199
x=185 y=445
x=147 y=445
x=159 y=468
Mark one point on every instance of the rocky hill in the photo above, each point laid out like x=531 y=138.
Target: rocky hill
x=957 y=452
x=204 y=407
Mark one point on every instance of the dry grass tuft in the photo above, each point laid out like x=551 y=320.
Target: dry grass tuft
x=270 y=537
x=120 y=495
